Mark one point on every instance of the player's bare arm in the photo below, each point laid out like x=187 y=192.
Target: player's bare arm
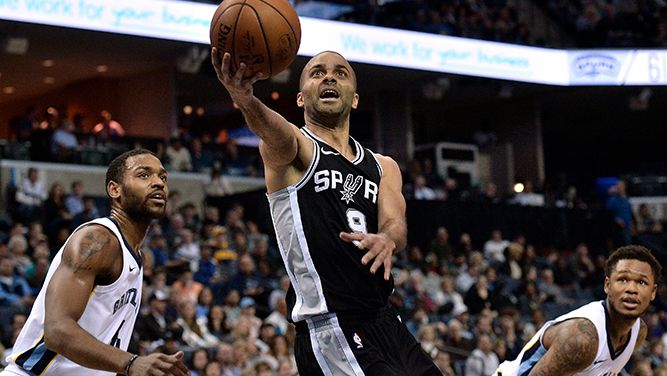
x=284 y=149
x=392 y=227
x=92 y=256
x=571 y=347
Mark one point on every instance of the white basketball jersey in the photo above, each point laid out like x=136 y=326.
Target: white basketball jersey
x=109 y=316
x=605 y=364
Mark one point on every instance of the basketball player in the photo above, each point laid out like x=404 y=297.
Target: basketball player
x=83 y=318
x=339 y=216
x=599 y=338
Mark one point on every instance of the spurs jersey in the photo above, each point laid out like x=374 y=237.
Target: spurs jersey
x=334 y=195
x=606 y=363
x=109 y=316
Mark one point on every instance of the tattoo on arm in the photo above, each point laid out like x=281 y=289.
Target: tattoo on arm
x=573 y=350
x=91 y=243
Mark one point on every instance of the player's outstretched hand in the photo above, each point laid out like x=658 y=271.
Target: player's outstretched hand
x=380 y=249
x=159 y=364
x=239 y=88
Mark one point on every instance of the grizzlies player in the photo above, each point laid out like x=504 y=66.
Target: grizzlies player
x=599 y=338
x=83 y=318
x=339 y=216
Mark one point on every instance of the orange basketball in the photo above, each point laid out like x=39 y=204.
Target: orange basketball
x=263 y=34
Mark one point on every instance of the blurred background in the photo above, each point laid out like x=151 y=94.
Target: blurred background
x=517 y=189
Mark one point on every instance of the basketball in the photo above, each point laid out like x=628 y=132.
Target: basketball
x=263 y=34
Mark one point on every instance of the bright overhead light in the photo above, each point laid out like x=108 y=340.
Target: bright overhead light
x=102 y=68
x=187 y=109
x=518 y=187
x=200 y=111
x=48 y=63
x=9 y=90
x=49 y=80
x=275 y=95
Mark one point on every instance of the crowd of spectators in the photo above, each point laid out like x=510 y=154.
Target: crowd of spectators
x=495 y=20
x=591 y=23
x=51 y=135
x=612 y=23
x=215 y=287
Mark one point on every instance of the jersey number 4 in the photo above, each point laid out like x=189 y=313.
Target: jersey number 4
x=115 y=341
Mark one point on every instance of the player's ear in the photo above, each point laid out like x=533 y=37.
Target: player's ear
x=355 y=101
x=606 y=285
x=113 y=189
x=655 y=290
x=299 y=99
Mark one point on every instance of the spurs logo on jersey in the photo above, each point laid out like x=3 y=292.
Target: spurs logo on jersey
x=335 y=195
x=332 y=179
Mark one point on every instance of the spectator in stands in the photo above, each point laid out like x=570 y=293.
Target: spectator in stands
x=30 y=196
x=185 y=288
x=17 y=247
x=235 y=164
x=55 y=212
x=202 y=159
x=225 y=357
x=582 y=265
x=195 y=332
x=619 y=205
x=482 y=361
x=16 y=323
x=443 y=361
x=153 y=325
x=457 y=341
x=246 y=280
x=216 y=322
x=218 y=186
x=440 y=245
x=649 y=230
x=14 y=289
x=198 y=362
x=88 y=213
x=207 y=271
x=178 y=157
x=528 y=197
x=74 y=201
x=191 y=218
x=421 y=191
x=188 y=249
x=494 y=248
x=204 y=302
x=107 y=128
x=36 y=273
x=64 y=143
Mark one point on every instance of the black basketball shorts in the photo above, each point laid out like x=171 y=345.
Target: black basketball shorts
x=382 y=346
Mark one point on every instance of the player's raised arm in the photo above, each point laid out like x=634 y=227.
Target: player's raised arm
x=572 y=347
x=279 y=144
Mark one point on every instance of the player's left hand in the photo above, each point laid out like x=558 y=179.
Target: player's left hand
x=380 y=249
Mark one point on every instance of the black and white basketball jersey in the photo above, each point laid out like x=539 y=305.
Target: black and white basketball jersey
x=334 y=195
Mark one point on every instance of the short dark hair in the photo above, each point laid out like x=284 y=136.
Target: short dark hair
x=634 y=252
x=117 y=166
